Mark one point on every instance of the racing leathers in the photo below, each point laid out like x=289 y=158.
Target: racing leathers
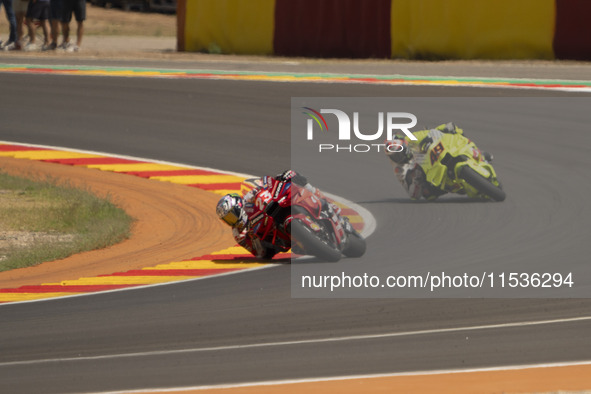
x=406 y=156
x=244 y=234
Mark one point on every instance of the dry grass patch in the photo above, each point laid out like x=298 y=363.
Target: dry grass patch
x=43 y=220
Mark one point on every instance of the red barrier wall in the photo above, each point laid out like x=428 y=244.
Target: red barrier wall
x=464 y=29
x=181 y=19
x=572 y=38
x=332 y=28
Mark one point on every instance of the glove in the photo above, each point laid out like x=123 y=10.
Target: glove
x=448 y=128
x=294 y=176
x=398 y=151
x=425 y=144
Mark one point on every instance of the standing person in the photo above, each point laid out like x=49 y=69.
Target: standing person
x=55 y=14
x=20 y=10
x=11 y=21
x=78 y=7
x=38 y=10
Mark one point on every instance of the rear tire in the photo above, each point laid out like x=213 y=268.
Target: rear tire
x=480 y=183
x=312 y=244
x=355 y=245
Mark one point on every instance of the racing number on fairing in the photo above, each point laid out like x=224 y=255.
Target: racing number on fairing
x=435 y=152
x=263 y=199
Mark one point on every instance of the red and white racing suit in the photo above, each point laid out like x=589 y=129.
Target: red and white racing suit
x=249 y=240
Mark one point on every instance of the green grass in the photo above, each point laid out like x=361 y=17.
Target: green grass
x=44 y=220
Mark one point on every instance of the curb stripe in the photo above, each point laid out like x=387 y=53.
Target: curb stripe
x=150 y=174
x=172 y=272
x=20 y=297
x=134 y=167
x=202 y=265
x=229 y=260
x=17 y=148
x=226 y=256
x=200 y=179
x=551 y=84
x=124 y=280
x=44 y=155
x=217 y=186
x=62 y=288
x=93 y=160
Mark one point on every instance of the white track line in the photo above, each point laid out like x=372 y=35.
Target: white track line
x=294 y=343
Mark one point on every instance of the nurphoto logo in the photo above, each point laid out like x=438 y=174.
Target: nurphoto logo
x=394 y=121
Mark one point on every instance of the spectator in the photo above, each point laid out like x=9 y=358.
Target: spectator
x=78 y=7
x=55 y=14
x=20 y=10
x=38 y=10
x=11 y=21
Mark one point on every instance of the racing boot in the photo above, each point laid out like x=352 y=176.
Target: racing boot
x=412 y=177
x=347 y=225
x=431 y=192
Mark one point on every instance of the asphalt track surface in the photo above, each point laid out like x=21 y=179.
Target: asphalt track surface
x=200 y=333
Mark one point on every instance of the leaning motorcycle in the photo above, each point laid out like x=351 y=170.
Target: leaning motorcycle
x=287 y=215
x=456 y=167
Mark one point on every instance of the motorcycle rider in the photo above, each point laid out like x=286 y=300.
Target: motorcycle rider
x=234 y=210
x=406 y=166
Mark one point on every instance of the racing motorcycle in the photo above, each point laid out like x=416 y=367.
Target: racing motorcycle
x=455 y=166
x=286 y=215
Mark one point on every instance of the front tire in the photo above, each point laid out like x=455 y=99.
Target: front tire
x=312 y=244
x=355 y=245
x=480 y=183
